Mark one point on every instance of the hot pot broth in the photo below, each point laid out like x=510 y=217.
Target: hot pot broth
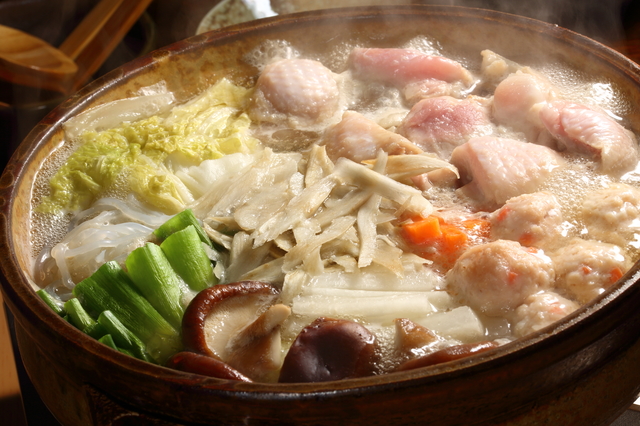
x=366 y=200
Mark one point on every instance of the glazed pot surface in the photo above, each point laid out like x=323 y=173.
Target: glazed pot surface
x=583 y=370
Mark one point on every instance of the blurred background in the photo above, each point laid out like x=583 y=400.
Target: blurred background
x=152 y=24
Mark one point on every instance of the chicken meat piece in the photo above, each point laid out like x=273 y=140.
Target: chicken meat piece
x=495 y=68
x=399 y=67
x=358 y=138
x=430 y=88
x=517 y=102
x=497 y=277
x=585 y=268
x=298 y=92
x=540 y=310
x=580 y=129
x=440 y=124
x=534 y=220
x=494 y=170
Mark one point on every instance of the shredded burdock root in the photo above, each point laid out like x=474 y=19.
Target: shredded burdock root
x=317 y=215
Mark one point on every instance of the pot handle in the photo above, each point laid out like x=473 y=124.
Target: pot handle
x=107 y=412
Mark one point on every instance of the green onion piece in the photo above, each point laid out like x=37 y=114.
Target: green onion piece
x=96 y=330
x=55 y=304
x=108 y=340
x=124 y=338
x=189 y=259
x=153 y=275
x=78 y=316
x=178 y=223
x=111 y=289
x=126 y=352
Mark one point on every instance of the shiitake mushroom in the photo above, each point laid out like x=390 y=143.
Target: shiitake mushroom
x=447 y=354
x=237 y=324
x=206 y=365
x=325 y=350
x=330 y=349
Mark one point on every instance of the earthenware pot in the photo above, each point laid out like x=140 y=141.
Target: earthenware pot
x=582 y=370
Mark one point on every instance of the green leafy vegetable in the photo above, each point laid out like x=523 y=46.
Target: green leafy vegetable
x=142 y=155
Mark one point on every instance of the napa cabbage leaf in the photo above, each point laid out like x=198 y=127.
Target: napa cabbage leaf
x=142 y=156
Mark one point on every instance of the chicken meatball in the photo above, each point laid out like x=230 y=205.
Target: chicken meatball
x=584 y=269
x=497 y=277
x=534 y=220
x=540 y=310
x=612 y=214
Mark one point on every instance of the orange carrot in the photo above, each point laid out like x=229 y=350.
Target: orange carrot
x=453 y=239
x=433 y=231
x=527 y=239
x=503 y=213
x=615 y=275
x=480 y=228
x=423 y=231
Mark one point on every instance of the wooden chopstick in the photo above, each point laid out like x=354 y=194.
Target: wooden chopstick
x=93 y=40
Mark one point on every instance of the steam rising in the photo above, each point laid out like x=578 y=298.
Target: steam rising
x=598 y=19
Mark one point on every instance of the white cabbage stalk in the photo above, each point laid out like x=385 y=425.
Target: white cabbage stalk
x=212 y=174
x=223 y=198
x=379 y=278
x=112 y=114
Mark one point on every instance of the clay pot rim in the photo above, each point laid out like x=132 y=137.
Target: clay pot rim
x=19 y=295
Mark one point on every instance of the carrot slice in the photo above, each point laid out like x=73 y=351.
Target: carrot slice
x=423 y=231
x=453 y=239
